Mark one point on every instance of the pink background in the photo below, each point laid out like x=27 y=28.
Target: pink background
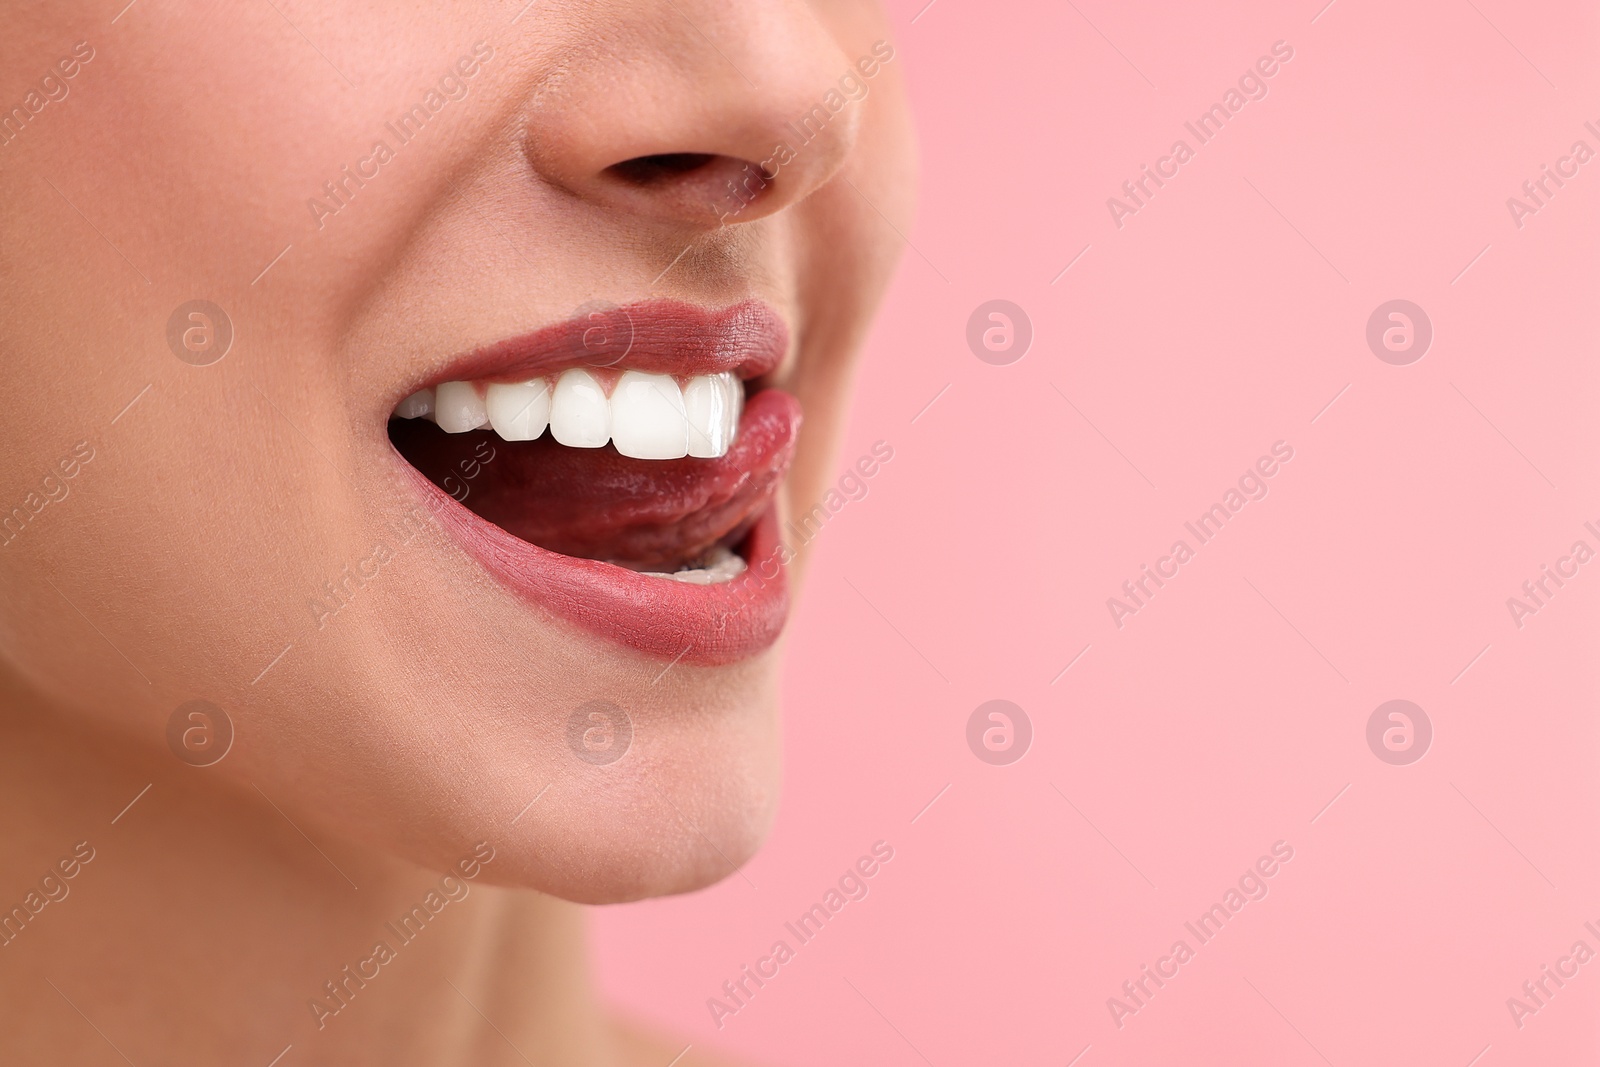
x=1227 y=714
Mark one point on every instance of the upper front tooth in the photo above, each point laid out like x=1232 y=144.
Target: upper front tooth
x=735 y=406
x=521 y=411
x=415 y=406
x=708 y=400
x=580 y=414
x=648 y=420
x=459 y=407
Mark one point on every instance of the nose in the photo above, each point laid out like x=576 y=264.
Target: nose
x=696 y=112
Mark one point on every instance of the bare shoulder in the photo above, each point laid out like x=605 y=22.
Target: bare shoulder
x=644 y=1046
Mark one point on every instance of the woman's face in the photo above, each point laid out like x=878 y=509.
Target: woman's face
x=239 y=237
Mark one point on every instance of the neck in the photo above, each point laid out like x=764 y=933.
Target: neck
x=197 y=924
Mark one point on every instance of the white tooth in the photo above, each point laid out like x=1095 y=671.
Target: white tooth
x=648 y=420
x=519 y=412
x=723 y=565
x=459 y=407
x=705 y=399
x=416 y=406
x=735 y=407
x=580 y=414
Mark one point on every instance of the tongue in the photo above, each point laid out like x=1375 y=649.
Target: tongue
x=594 y=503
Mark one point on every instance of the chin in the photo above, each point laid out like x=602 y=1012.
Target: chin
x=688 y=816
x=676 y=800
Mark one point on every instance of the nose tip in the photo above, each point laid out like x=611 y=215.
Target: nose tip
x=707 y=115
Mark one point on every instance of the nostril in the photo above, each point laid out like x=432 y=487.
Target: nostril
x=695 y=186
x=651 y=170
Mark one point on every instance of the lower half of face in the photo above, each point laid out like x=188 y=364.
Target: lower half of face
x=417 y=420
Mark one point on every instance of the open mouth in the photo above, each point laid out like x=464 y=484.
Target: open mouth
x=620 y=470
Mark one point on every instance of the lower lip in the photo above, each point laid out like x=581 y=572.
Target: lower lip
x=700 y=624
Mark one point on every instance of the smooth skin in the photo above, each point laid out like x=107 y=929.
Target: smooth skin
x=185 y=158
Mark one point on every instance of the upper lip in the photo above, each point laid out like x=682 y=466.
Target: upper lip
x=749 y=339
